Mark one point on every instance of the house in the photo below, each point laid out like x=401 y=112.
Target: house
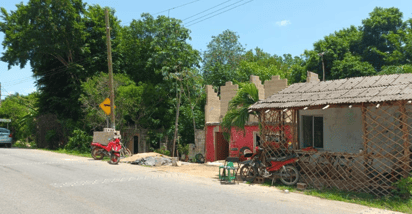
x=352 y=134
x=216 y=147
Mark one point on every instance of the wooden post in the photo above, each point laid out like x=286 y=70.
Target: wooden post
x=405 y=136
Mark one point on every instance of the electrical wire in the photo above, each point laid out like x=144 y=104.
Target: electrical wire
x=205 y=10
x=214 y=11
x=219 y=13
x=175 y=7
x=50 y=72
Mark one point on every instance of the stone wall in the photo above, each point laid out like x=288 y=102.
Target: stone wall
x=212 y=107
x=228 y=91
x=199 y=145
x=216 y=108
x=312 y=77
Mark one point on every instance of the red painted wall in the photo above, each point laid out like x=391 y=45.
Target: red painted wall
x=210 y=148
x=238 y=139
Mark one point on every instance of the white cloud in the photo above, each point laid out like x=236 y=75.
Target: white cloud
x=283 y=23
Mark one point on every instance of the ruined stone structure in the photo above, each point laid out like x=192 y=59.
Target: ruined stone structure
x=216 y=109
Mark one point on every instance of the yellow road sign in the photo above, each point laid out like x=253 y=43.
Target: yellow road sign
x=105 y=105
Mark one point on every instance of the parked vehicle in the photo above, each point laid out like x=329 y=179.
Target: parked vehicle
x=112 y=150
x=274 y=168
x=6 y=138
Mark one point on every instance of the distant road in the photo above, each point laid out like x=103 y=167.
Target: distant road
x=35 y=181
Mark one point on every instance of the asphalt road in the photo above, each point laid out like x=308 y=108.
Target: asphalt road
x=35 y=181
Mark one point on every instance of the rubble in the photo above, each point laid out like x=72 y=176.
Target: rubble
x=153 y=161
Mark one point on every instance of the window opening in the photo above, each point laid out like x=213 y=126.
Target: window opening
x=312 y=131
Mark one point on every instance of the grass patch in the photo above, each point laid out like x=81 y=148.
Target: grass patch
x=389 y=203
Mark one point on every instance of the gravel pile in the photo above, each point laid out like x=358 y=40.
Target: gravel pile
x=153 y=161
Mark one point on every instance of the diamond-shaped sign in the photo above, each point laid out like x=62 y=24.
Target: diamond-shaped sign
x=105 y=105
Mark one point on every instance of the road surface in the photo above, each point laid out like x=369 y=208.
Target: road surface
x=35 y=181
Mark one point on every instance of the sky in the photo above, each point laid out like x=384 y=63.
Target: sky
x=277 y=27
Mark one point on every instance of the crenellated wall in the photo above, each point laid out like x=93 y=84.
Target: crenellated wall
x=216 y=107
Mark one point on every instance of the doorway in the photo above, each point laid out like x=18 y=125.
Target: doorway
x=135 y=144
x=222 y=147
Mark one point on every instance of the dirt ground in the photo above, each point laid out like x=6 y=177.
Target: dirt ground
x=196 y=169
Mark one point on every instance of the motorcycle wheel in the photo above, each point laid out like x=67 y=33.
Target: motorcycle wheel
x=114 y=159
x=248 y=173
x=289 y=175
x=97 y=153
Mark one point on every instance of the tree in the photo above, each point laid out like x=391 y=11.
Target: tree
x=156 y=53
x=222 y=58
x=375 y=43
x=22 y=111
x=238 y=113
x=64 y=44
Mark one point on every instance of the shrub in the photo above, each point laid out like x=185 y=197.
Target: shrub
x=163 y=151
x=183 y=149
x=403 y=187
x=80 y=141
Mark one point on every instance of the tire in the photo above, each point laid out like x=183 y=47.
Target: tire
x=97 y=153
x=248 y=173
x=289 y=175
x=114 y=159
x=8 y=145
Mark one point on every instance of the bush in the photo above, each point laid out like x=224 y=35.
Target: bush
x=80 y=141
x=183 y=149
x=163 y=151
x=403 y=187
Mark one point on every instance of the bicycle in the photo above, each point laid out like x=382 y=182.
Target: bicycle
x=125 y=152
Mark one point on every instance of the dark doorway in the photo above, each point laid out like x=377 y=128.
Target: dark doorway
x=257 y=140
x=222 y=147
x=135 y=144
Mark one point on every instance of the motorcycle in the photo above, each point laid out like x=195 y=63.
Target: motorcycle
x=281 y=168
x=112 y=149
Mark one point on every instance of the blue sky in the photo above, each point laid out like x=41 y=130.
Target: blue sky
x=278 y=27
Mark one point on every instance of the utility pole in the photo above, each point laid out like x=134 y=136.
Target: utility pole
x=109 y=60
x=323 y=65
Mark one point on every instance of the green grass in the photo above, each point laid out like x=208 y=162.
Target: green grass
x=390 y=203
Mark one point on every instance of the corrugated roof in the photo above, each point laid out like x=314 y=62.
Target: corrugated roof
x=350 y=91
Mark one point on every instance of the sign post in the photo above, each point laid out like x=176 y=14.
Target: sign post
x=105 y=106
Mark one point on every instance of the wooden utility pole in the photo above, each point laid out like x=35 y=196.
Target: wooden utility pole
x=109 y=60
x=323 y=65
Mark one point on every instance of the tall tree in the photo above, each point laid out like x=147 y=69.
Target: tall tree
x=222 y=58
x=62 y=42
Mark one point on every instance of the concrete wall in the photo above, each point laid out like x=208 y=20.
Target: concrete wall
x=199 y=145
x=342 y=129
x=274 y=85
x=228 y=91
x=312 y=77
x=212 y=107
x=216 y=108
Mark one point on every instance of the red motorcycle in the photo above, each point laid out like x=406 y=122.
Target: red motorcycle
x=281 y=168
x=112 y=150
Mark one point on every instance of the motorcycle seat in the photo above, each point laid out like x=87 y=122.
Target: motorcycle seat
x=285 y=158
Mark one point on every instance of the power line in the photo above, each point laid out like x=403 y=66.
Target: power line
x=214 y=12
x=218 y=13
x=50 y=72
x=205 y=10
x=176 y=7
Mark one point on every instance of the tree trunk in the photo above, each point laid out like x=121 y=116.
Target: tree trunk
x=177 y=121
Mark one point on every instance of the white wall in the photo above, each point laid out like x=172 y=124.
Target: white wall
x=342 y=129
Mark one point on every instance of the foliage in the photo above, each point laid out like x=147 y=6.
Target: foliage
x=403 y=187
x=183 y=149
x=64 y=43
x=222 y=58
x=22 y=111
x=24 y=144
x=80 y=141
x=238 y=113
x=163 y=151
